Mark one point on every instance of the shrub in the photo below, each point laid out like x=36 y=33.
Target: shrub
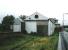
x=33 y=33
x=58 y=29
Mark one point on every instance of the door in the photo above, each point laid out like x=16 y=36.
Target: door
x=22 y=27
x=42 y=29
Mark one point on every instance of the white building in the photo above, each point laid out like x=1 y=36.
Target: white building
x=36 y=23
x=17 y=26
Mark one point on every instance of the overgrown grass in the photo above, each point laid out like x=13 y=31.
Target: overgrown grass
x=30 y=42
x=42 y=43
x=13 y=41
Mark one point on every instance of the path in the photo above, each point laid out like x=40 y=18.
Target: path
x=61 y=45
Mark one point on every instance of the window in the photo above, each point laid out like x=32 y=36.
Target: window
x=36 y=16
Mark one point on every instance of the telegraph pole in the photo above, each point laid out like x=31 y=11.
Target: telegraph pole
x=63 y=20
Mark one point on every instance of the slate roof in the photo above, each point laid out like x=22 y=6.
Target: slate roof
x=17 y=21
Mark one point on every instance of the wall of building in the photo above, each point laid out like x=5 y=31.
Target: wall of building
x=51 y=27
x=30 y=26
x=35 y=26
x=16 y=28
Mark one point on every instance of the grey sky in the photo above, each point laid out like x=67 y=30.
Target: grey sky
x=49 y=8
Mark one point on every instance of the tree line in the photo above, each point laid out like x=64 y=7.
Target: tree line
x=7 y=21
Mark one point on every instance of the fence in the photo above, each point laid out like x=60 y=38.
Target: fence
x=64 y=36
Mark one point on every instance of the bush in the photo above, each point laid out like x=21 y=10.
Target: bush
x=1 y=28
x=58 y=29
x=33 y=33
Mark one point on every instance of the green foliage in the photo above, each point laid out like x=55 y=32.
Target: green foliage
x=66 y=26
x=22 y=17
x=58 y=29
x=0 y=27
x=7 y=21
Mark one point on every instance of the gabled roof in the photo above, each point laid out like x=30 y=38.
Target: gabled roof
x=40 y=17
x=54 y=20
x=17 y=21
x=34 y=17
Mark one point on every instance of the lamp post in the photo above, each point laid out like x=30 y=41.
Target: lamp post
x=63 y=20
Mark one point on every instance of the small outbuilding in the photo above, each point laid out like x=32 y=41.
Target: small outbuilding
x=19 y=25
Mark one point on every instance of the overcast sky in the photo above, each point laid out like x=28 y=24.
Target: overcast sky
x=49 y=8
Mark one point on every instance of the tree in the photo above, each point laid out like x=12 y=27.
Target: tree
x=7 y=21
x=22 y=17
x=0 y=26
